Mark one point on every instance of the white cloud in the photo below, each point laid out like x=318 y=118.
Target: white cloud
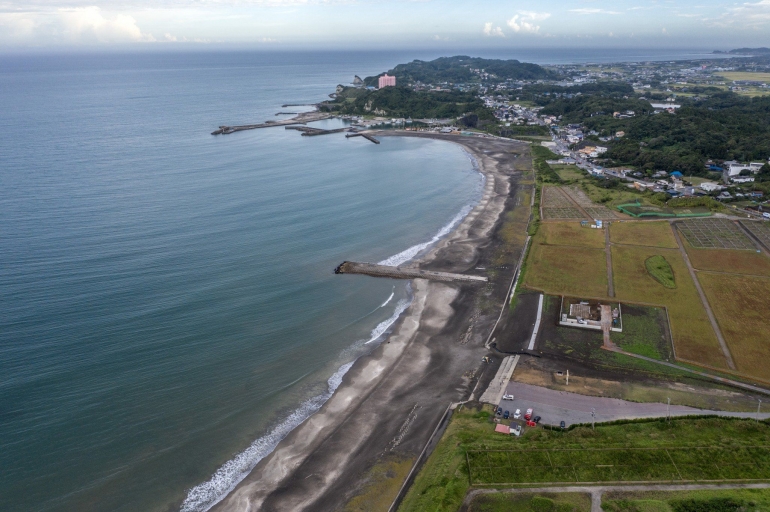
x=90 y=24
x=586 y=10
x=752 y=14
x=491 y=31
x=524 y=22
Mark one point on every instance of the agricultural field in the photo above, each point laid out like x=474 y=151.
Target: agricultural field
x=577 y=271
x=653 y=234
x=558 y=206
x=570 y=233
x=759 y=229
x=531 y=502
x=693 y=336
x=687 y=501
x=568 y=172
x=445 y=478
x=596 y=211
x=626 y=465
x=745 y=75
x=714 y=234
x=735 y=262
x=742 y=309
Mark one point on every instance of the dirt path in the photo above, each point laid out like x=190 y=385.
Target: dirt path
x=597 y=492
x=707 y=307
x=606 y=325
x=607 y=249
x=574 y=202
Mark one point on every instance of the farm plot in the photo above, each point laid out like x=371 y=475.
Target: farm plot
x=652 y=234
x=714 y=234
x=760 y=230
x=741 y=307
x=492 y=467
x=596 y=211
x=575 y=271
x=570 y=233
x=733 y=262
x=557 y=206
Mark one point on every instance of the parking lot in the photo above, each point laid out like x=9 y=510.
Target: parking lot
x=555 y=406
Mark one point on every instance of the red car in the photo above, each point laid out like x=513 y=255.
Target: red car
x=531 y=423
x=528 y=414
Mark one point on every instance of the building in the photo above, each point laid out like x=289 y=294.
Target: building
x=710 y=186
x=387 y=81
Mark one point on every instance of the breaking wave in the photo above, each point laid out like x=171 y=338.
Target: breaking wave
x=383 y=326
x=204 y=496
x=408 y=254
x=392 y=294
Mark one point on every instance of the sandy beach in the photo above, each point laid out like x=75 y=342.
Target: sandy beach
x=390 y=401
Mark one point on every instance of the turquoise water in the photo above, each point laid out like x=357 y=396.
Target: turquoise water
x=169 y=310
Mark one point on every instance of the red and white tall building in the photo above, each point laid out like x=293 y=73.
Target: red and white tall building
x=387 y=81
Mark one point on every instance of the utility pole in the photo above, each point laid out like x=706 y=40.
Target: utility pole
x=593 y=418
x=668 y=409
x=759 y=405
x=568 y=377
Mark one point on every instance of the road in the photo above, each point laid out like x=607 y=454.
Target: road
x=597 y=492
x=555 y=406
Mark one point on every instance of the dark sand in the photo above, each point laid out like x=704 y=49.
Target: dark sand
x=391 y=400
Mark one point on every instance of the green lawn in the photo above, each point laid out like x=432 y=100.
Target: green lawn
x=660 y=270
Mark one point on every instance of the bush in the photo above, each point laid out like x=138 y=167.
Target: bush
x=710 y=505
x=541 y=504
x=660 y=270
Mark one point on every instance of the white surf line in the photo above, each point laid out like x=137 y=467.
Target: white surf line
x=531 y=345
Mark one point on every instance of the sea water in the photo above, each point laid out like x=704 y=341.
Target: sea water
x=169 y=307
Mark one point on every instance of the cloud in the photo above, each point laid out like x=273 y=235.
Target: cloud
x=493 y=31
x=586 y=10
x=524 y=22
x=751 y=14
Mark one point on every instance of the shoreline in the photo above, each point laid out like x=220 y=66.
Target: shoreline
x=428 y=314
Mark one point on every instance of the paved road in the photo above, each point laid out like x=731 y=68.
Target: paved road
x=596 y=492
x=555 y=406
x=712 y=318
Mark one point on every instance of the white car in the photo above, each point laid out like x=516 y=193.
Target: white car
x=507 y=397
x=517 y=414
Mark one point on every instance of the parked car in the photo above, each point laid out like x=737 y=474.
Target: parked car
x=499 y=411
x=517 y=414
x=516 y=431
x=507 y=397
x=506 y=415
x=536 y=419
x=562 y=424
x=531 y=423
x=528 y=414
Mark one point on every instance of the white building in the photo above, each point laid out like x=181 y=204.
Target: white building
x=710 y=186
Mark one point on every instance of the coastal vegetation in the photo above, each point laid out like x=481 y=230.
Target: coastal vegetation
x=660 y=270
x=470 y=452
x=462 y=69
x=716 y=500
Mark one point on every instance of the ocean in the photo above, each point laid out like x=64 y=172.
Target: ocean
x=169 y=308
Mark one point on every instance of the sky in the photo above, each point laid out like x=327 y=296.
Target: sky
x=382 y=24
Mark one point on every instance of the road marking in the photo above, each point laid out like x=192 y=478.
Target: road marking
x=532 y=340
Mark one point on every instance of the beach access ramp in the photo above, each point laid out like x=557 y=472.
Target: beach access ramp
x=372 y=269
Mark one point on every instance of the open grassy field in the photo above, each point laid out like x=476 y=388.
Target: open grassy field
x=693 y=336
x=569 y=172
x=445 y=478
x=687 y=501
x=576 y=271
x=570 y=233
x=742 y=309
x=531 y=502
x=736 y=262
x=653 y=234
x=745 y=75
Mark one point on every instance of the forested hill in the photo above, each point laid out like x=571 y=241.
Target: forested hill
x=459 y=70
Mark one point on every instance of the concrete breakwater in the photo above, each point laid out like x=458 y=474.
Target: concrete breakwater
x=372 y=269
x=364 y=135
x=303 y=118
x=309 y=132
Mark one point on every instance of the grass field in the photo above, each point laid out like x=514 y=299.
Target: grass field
x=693 y=336
x=569 y=172
x=687 y=501
x=742 y=309
x=531 y=502
x=644 y=332
x=660 y=270
x=653 y=234
x=570 y=233
x=736 y=262
x=444 y=479
x=714 y=234
x=576 y=271
x=745 y=75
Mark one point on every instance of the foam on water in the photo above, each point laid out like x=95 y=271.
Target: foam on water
x=204 y=496
x=389 y=298
x=383 y=326
x=408 y=254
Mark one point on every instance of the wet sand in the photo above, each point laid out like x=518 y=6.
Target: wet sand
x=390 y=401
